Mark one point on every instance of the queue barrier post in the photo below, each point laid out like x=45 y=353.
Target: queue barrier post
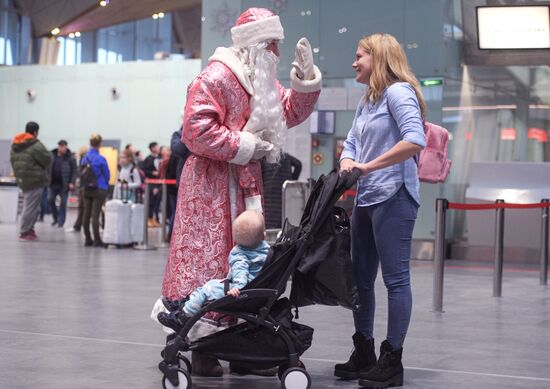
x=145 y=244
x=544 y=244
x=499 y=250
x=163 y=210
x=441 y=206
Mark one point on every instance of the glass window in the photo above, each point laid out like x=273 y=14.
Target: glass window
x=70 y=51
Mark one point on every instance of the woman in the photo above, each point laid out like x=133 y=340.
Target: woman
x=95 y=185
x=127 y=174
x=386 y=134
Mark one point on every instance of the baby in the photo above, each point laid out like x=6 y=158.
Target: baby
x=246 y=259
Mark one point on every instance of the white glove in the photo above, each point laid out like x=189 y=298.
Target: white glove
x=303 y=62
x=262 y=148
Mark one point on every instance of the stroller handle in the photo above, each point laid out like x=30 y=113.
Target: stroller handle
x=352 y=177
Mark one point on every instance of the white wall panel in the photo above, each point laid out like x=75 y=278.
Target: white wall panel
x=74 y=101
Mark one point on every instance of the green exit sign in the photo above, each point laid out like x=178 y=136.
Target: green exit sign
x=431 y=82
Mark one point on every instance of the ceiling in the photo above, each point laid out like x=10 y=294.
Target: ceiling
x=85 y=15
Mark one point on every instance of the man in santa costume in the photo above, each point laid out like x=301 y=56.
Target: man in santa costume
x=236 y=113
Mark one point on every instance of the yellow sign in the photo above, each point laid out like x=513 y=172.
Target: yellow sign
x=111 y=155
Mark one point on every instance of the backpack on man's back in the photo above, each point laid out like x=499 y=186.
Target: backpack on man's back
x=88 y=179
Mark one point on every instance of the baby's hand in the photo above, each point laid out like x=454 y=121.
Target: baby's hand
x=234 y=292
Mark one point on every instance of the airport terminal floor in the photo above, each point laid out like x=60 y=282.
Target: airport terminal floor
x=76 y=317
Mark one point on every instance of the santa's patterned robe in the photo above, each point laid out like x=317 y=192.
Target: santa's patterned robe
x=209 y=196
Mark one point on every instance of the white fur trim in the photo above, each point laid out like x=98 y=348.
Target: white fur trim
x=255 y=32
x=306 y=86
x=246 y=149
x=253 y=203
x=159 y=307
x=227 y=56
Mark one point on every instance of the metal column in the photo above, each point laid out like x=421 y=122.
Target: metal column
x=499 y=250
x=145 y=244
x=163 y=210
x=441 y=206
x=544 y=245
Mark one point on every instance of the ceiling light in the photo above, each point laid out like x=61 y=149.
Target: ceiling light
x=71 y=35
x=55 y=31
x=155 y=16
x=161 y=15
x=77 y=34
x=104 y=3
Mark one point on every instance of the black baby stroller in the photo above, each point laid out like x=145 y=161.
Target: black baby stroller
x=316 y=254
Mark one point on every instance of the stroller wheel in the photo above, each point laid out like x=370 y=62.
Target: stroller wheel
x=296 y=378
x=184 y=381
x=285 y=367
x=187 y=364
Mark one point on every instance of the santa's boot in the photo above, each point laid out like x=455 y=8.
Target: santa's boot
x=205 y=366
x=388 y=371
x=362 y=358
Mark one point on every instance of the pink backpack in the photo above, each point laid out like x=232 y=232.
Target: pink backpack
x=433 y=164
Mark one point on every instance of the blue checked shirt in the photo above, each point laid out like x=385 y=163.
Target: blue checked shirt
x=374 y=131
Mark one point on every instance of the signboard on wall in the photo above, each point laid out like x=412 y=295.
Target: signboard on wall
x=513 y=27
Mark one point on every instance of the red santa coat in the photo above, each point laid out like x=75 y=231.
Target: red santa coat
x=216 y=110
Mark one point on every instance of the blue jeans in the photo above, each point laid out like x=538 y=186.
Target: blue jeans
x=382 y=233
x=59 y=214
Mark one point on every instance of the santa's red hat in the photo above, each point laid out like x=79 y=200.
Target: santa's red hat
x=256 y=25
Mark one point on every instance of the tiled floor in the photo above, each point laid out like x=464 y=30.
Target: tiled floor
x=79 y=318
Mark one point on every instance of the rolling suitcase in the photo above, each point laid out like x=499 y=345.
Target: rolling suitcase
x=137 y=223
x=118 y=214
x=117 y=223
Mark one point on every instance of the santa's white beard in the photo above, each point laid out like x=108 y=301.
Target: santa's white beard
x=266 y=110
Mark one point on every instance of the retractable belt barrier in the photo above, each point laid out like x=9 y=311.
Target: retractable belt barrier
x=442 y=205
x=164 y=199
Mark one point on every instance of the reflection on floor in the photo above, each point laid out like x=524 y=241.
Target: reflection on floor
x=75 y=317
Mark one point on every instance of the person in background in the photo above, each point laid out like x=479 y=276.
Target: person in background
x=128 y=175
x=386 y=135
x=179 y=155
x=180 y=151
x=95 y=190
x=30 y=162
x=150 y=167
x=62 y=180
x=274 y=175
x=78 y=222
x=44 y=205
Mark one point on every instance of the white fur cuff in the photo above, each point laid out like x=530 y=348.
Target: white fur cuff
x=253 y=203
x=246 y=149
x=306 y=86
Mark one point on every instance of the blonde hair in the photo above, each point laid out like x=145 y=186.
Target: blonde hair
x=95 y=140
x=248 y=229
x=389 y=65
x=129 y=155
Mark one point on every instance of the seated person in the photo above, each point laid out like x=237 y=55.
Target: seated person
x=246 y=260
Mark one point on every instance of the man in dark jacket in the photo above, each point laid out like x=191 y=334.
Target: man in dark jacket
x=179 y=155
x=30 y=162
x=63 y=177
x=180 y=151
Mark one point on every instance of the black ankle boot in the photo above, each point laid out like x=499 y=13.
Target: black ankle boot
x=388 y=371
x=363 y=358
